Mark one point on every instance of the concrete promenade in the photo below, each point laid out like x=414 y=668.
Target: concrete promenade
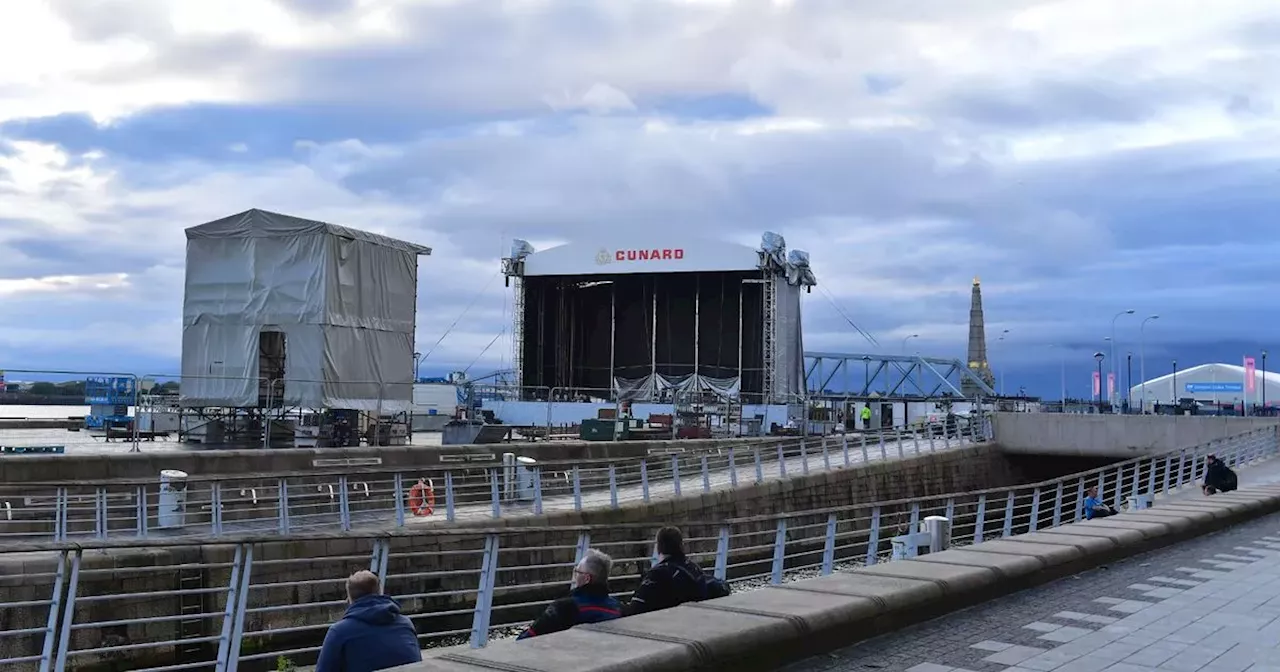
x=1211 y=604
x=691 y=480
x=1166 y=606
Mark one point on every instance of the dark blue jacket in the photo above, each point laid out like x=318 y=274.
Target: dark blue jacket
x=372 y=635
x=589 y=604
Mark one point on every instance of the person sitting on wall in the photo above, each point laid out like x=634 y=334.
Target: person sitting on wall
x=1093 y=506
x=1218 y=477
x=588 y=601
x=372 y=635
x=675 y=579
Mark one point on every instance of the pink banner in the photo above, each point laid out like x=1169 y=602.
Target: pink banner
x=1111 y=386
x=1097 y=383
x=1249 y=375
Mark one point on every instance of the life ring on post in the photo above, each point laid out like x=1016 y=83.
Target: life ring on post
x=422 y=498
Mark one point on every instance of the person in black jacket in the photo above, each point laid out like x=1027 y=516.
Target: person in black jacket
x=674 y=580
x=588 y=601
x=1218 y=477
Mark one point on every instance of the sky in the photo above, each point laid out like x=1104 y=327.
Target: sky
x=1083 y=157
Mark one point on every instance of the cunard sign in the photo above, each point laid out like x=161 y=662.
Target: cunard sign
x=651 y=254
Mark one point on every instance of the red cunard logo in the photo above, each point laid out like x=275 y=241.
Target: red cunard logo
x=648 y=255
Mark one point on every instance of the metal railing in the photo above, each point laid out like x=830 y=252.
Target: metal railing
x=247 y=599
x=352 y=498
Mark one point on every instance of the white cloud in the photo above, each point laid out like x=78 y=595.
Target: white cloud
x=1070 y=152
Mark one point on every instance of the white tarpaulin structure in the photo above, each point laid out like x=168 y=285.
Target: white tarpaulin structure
x=327 y=309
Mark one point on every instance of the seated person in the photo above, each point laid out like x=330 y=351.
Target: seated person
x=1093 y=506
x=1218 y=477
x=588 y=601
x=675 y=579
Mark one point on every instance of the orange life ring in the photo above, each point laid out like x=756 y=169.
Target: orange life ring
x=422 y=498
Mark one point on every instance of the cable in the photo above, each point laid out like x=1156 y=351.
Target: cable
x=459 y=319
x=832 y=300
x=486 y=349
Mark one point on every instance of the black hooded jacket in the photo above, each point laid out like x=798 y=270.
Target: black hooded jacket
x=1220 y=477
x=673 y=581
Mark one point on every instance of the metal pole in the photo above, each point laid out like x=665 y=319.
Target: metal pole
x=1142 y=363
x=1174 y=400
x=1264 y=381
x=613 y=332
x=740 y=335
x=1113 y=351
x=1099 y=386
x=1128 y=390
x=653 y=340
x=697 y=320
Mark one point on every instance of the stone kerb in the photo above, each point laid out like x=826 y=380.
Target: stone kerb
x=765 y=628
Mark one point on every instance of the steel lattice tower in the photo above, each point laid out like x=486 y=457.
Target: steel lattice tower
x=977 y=344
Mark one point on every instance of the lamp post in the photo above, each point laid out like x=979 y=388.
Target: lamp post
x=904 y=342
x=1174 y=400
x=1113 y=341
x=1128 y=377
x=1098 y=357
x=1142 y=362
x=1063 y=383
x=1001 y=340
x=1264 y=382
x=417 y=362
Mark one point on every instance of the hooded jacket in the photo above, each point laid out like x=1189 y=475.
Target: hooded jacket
x=1220 y=477
x=372 y=635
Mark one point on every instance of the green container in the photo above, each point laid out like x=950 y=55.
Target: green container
x=597 y=430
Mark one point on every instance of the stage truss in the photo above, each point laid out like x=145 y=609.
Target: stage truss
x=835 y=375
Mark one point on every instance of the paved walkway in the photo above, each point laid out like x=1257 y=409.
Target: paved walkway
x=1211 y=604
x=691 y=481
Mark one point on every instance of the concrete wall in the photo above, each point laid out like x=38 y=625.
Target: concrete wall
x=1118 y=436
x=431 y=557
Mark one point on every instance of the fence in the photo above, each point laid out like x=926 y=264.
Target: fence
x=349 y=498
x=245 y=600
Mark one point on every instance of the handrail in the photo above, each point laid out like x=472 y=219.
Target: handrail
x=295 y=502
x=872 y=436
x=442 y=575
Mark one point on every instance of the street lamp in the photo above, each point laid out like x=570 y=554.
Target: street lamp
x=904 y=342
x=1000 y=340
x=1142 y=360
x=1128 y=377
x=1063 y=352
x=417 y=362
x=1098 y=357
x=1113 y=340
x=1264 y=382
x=1174 y=400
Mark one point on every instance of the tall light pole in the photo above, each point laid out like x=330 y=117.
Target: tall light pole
x=1264 y=382
x=1000 y=340
x=1142 y=361
x=1113 y=342
x=1063 y=356
x=417 y=362
x=1098 y=356
x=904 y=342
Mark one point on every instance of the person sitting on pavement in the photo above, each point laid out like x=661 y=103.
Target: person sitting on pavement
x=588 y=601
x=372 y=635
x=1218 y=477
x=675 y=579
x=1093 y=506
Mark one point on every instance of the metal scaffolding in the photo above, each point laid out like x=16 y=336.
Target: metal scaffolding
x=887 y=376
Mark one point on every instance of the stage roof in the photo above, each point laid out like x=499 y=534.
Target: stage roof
x=653 y=254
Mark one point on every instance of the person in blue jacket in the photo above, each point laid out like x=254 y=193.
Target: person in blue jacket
x=1093 y=506
x=372 y=635
x=588 y=601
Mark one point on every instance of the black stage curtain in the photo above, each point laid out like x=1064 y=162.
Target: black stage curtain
x=567 y=334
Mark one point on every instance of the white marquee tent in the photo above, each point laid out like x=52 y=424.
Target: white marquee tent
x=1215 y=383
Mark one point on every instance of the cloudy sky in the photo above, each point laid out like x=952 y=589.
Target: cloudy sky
x=1083 y=157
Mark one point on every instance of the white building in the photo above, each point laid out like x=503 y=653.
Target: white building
x=1209 y=383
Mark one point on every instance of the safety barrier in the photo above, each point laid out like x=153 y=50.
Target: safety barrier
x=258 y=597
x=352 y=498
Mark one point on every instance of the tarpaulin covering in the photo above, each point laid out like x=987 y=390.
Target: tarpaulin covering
x=658 y=387
x=345 y=301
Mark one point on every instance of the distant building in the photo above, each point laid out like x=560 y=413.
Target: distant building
x=1211 y=384
x=977 y=345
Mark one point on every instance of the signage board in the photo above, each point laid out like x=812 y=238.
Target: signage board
x=648 y=256
x=1215 y=387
